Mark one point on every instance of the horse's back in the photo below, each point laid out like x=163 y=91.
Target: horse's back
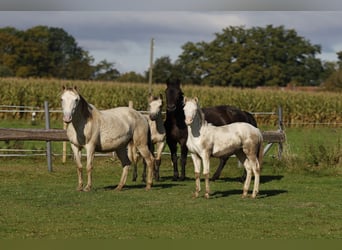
x=233 y=136
x=122 y=115
x=224 y=114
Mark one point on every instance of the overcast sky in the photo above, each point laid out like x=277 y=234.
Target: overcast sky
x=123 y=37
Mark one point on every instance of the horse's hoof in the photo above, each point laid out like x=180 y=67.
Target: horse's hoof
x=214 y=178
x=244 y=196
x=148 y=186
x=206 y=196
x=254 y=196
x=118 y=188
x=86 y=189
x=195 y=195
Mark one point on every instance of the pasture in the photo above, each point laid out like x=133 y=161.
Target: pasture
x=299 y=196
x=294 y=202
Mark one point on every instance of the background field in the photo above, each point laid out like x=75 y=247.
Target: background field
x=299 y=194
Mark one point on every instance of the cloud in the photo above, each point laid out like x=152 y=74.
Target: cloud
x=124 y=37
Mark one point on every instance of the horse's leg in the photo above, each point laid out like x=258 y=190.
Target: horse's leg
x=256 y=172
x=248 y=170
x=125 y=162
x=149 y=160
x=206 y=171
x=184 y=155
x=174 y=159
x=90 y=158
x=160 y=147
x=77 y=154
x=197 y=167
x=132 y=155
x=219 y=169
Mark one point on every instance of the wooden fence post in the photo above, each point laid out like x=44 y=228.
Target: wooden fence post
x=64 y=145
x=130 y=104
x=48 y=143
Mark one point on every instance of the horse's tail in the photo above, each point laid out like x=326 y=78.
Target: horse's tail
x=149 y=141
x=251 y=119
x=260 y=152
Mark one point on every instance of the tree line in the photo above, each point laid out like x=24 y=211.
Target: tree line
x=237 y=56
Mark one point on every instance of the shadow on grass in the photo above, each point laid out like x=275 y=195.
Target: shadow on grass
x=141 y=186
x=263 y=178
x=262 y=194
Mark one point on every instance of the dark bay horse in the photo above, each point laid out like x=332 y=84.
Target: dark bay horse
x=176 y=129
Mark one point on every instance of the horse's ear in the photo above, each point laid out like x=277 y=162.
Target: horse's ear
x=63 y=87
x=185 y=99
x=150 y=98
x=196 y=99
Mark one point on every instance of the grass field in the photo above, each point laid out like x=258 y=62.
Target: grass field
x=36 y=204
x=299 y=195
x=298 y=199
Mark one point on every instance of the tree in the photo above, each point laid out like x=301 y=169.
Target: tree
x=252 y=57
x=131 y=77
x=43 y=51
x=105 y=71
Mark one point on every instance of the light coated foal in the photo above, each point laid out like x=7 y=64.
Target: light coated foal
x=205 y=141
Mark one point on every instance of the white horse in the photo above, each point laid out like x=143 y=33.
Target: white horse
x=156 y=123
x=104 y=131
x=206 y=140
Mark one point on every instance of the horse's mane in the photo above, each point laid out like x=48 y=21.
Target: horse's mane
x=201 y=113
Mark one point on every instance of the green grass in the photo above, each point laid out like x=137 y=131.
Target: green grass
x=36 y=204
x=299 y=198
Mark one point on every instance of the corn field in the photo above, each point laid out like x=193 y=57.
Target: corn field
x=299 y=108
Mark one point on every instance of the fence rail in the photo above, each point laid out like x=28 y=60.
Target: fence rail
x=48 y=135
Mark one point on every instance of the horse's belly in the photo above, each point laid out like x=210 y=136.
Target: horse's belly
x=224 y=148
x=110 y=143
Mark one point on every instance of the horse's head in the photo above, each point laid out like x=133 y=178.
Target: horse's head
x=70 y=99
x=155 y=106
x=174 y=95
x=190 y=109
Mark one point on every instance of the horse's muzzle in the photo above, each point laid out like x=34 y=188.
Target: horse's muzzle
x=171 y=108
x=188 y=121
x=67 y=118
x=153 y=117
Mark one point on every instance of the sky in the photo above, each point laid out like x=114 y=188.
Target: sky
x=122 y=35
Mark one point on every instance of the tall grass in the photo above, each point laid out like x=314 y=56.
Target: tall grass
x=305 y=108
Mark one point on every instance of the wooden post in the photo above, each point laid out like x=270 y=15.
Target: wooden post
x=64 y=145
x=130 y=104
x=151 y=67
x=48 y=143
x=281 y=127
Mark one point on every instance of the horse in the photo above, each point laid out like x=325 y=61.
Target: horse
x=176 y=129
x=104 y=131
x=206 y=140
x=158 y=134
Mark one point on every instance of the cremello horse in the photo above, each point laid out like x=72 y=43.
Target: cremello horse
x=104 y=131
x=206 y=140
x=155 y=120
